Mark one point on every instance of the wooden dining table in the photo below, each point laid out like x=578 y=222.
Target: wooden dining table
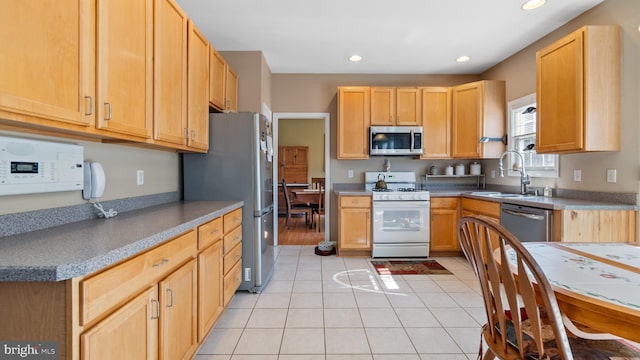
x=596 y=284
x=309 y=196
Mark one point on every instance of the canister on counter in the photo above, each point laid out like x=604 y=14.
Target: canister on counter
x=459 y=169
x=475 y=169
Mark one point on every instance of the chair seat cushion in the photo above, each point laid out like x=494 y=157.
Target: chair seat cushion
x=583 y=349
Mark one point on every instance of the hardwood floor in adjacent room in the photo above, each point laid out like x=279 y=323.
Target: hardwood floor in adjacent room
x=298 y=233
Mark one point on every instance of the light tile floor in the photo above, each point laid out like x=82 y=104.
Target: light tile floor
x=335 y=308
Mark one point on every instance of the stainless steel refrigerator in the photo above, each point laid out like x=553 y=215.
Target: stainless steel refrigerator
x=238 y=166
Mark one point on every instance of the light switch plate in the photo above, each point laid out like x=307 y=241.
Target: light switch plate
x=611 y=175
x=577 y=175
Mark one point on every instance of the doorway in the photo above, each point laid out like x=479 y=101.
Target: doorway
x=298 y=233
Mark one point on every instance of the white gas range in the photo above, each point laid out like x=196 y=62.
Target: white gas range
x=400 y=215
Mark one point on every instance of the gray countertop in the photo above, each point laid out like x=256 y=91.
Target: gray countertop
x=554 y=203
x=81 y=248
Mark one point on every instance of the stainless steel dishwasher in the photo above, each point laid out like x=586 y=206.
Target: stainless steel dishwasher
x=527 y=223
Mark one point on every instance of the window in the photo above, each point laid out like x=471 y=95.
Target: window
x=522 y=138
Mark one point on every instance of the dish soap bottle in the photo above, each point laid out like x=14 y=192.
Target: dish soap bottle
x=547 y=192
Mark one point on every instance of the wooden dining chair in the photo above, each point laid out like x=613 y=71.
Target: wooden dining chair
x=295 y=208
x=318 y=209
x=523 y=316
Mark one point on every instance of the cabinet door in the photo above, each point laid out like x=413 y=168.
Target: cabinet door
x=217 y=76
x=178 y=325
x=198 y=93
x=383 y=106
x=353 y=122
x=231 y=91
x=408 y=107
x=578 y=92
x=210 y=276
x=170 y=72
x=124 y=65
x=131 y=332
x=45 y=67
x=355 y=229
x=444 y=224
x=436 y=122
x=560 y=96
x=467 y=112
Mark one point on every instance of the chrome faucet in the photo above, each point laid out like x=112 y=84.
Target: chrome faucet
x=524 y=178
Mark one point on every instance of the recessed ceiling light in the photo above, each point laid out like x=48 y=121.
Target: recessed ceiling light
x=532 y=4
x=462 y=59
x=355 y=58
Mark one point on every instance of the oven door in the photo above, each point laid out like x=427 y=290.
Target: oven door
x=400 y=222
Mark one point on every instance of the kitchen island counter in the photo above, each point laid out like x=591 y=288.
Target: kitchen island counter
x=84 y=247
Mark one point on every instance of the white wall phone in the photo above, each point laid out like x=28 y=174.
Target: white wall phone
x=94 y=180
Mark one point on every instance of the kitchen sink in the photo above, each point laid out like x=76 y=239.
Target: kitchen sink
x=499 y=194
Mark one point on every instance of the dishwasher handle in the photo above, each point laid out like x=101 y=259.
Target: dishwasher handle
x=524 y=215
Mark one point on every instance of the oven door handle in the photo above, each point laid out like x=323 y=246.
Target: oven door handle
x=524 y=215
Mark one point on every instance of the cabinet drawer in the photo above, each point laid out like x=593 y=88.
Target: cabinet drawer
x=232 y=257
x=231 y=282
x=232 y=239
x=355 y=201
x=112 y=287
x=444 y=203
x=488 y=208
x=209 y=233
x=232 y=220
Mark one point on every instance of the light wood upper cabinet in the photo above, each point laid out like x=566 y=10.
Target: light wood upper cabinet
x=353 y=122
x=45 y=70
x=478 y=110
x=217 y=77
x=578 y=92
x=223 y=83
x=395 y=106
x=436 y=122
x=170 y=72
x=408 y=107
x=124 y=66
x=383 y=106
x=231 y=90
x=198 y=89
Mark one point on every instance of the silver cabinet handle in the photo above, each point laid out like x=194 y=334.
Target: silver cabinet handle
x=157 y=308
x=108 y=117
x=524 y=215
x=170 y=304
x=90 y=105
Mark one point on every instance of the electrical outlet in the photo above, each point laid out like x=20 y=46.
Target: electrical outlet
x=350 y=173
x=493 y=174
x=140 y=177
x=611 y=175
x=577 y=175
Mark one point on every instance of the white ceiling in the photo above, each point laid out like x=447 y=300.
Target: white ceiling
x=393 y=37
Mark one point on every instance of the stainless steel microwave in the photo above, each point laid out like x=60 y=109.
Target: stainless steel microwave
x=395 y=140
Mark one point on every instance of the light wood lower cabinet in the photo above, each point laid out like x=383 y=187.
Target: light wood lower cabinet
x=594 y=225
x=354 y=225
x=444 y=225
x=131 y=332
x=159 y=304
x=210 y=276
x=490 y=209
x=232 y=254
